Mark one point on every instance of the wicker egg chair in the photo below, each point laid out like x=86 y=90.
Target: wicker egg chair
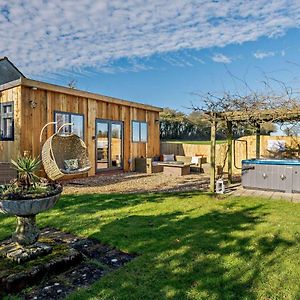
x=60 y=148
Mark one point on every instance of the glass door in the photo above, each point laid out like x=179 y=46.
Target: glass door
x=109 y=144
x=102 y=145
x=116 y=145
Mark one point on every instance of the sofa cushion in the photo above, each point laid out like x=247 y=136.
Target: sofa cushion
x=168 y=157
x=195 y=160
x=183 y=158
x=71 y=164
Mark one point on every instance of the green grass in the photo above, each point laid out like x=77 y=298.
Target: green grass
x=190 y=245
x=194 y=142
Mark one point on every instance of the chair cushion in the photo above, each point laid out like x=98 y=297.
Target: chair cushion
x=78 y=171
x=195 y=160
x=71 y=164
x=168 y=157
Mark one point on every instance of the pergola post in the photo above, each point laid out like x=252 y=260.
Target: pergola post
x=213 y=154
x=229 y=145
x=257 y=140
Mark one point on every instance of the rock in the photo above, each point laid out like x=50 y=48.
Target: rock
x=20 y=254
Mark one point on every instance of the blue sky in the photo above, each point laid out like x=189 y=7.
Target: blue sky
x=154 y=52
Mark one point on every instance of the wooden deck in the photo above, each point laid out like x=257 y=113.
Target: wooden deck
x=238 y=190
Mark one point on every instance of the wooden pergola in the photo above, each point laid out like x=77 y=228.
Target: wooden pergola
x=254 y=117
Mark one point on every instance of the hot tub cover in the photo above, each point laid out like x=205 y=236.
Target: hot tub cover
x=294 y=162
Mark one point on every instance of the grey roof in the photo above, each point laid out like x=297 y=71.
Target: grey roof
x=8 y=72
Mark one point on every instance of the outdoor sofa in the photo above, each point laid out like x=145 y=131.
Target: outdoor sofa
x=152 y=164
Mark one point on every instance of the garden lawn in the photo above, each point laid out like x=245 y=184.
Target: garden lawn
x=190 y=245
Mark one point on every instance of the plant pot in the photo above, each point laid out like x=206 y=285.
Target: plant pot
x=27 y=233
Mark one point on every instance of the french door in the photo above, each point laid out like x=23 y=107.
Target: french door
x=109 y=145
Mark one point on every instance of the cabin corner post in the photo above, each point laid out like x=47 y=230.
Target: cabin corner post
x=229 y=145
x=213 y=154
x=257 y=140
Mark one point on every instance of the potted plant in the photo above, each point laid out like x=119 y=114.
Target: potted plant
x=25 y=197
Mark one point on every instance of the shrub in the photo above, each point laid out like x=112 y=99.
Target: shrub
x=26 y=168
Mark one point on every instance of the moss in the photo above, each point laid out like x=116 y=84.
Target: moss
x=10 y=297
x=98 y=264
x=8 y=267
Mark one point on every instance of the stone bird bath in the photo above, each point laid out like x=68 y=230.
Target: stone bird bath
x=24 y=245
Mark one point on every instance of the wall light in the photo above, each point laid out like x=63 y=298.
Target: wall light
x=32 y=103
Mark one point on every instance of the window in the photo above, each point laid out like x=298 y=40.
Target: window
x=143 y=132
x=7 y=121
x=135 y=131
x=139 y=131
x=77 y=120
x=62 y=118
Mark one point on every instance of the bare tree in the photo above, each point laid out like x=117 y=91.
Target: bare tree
x=72 y=84
x=268 y=106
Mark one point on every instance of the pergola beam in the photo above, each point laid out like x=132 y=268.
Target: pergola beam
x=213 y=155
x=274 y=115
x=254 y=117
x=229 y=145
x=257 y=148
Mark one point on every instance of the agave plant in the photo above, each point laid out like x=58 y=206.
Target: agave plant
x=26 y=167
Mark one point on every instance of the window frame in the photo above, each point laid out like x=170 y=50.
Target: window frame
x=69 y=114
x=132 y=135
x=5 y=116
x=140 y=132
x=146 y=140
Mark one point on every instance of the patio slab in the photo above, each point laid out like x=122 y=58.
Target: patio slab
x=240 y=191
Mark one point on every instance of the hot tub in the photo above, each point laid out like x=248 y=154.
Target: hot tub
x=271 y=174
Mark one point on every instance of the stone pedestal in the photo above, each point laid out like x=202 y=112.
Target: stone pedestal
x=23 y=245
x=27 y=233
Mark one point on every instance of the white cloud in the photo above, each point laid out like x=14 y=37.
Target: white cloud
x=263 y=54
x=182 y=59
x=221 y=58
x=54 y=36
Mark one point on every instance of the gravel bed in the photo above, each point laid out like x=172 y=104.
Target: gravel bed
x=132 y=182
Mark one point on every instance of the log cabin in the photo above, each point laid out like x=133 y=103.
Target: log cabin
x=115 y=131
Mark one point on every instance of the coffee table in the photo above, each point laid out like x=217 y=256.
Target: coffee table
x=175 y=168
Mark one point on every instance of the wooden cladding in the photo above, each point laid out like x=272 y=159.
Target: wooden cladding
x=11 y=148
x=74 y=92
x=29 y=121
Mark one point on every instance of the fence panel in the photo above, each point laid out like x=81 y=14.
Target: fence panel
x=243 y=148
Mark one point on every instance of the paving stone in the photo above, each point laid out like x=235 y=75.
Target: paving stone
x=294 y=197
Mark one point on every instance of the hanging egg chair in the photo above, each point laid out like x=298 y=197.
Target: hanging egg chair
x=64 y=155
